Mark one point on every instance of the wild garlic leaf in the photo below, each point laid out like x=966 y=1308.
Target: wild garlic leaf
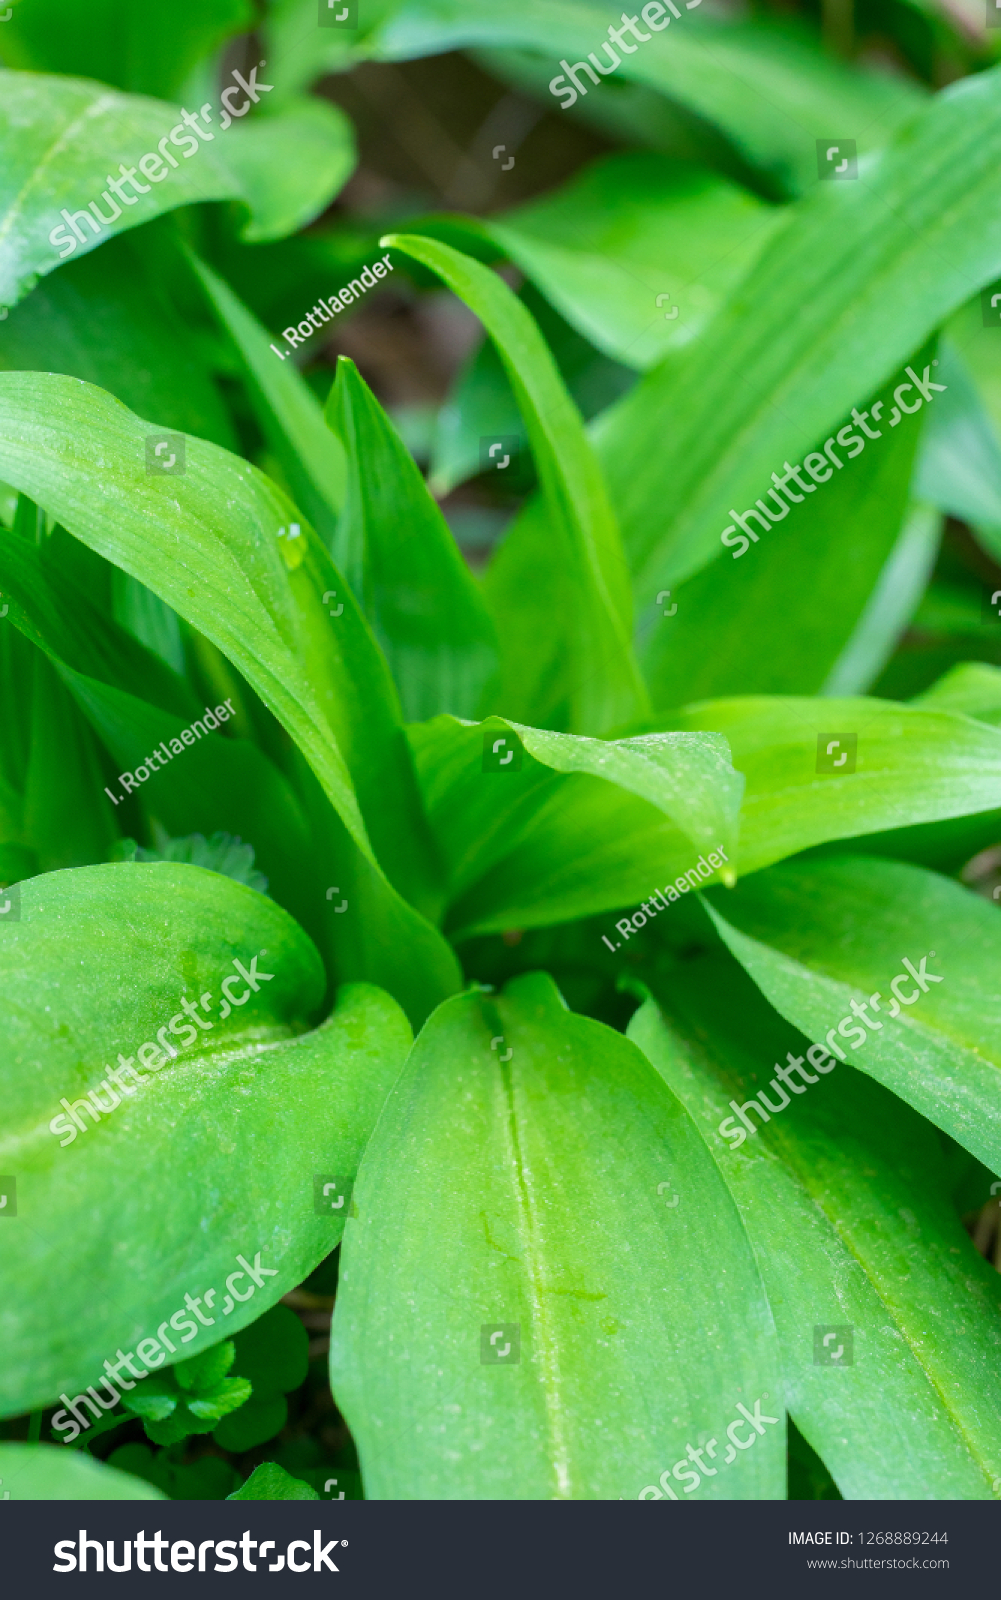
x=196 y=1150
x=826 y=769
x=585 y=589
x=844 y=1196
x=538 y=827
x=61 y=134
x=848 y=540
x=609 y=247
x=762 y=387
x=547 y=1141
x=209 y=541
x=397 y=551
x=821 y=937
x=47 y=1472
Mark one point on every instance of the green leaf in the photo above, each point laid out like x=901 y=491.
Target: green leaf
x=395 y=548
x=972 y=688
x=147 y=50
x=212 y=1405
x=42 y=1472
x=521 y=1148
x=157 y=1400
x=598 y=681
x=252 y=1424
x=632 y=230
x=273 y=1352
x=213 y=1158
x=90 y=126
x=820 y=937
x=207 y=541
x=577 y=826
x=715 y=632
x=289 y=415
x=293 y=163
x=271 y=1482
x=844 y=1198
x=105 y=319
x=762 y=387
x=206 y=1370
x=912 y=766
x=890 y=606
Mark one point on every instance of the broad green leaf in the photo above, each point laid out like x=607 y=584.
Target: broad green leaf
x=288 y=412
x=395 y=548
x=103 y=318
x=42 y=1472
x=820 y=937
x=877 y=265
x=599 y=684
x=218 y=1152
x=147 y=49
x=269 y=1481
x=910 y=765
x=974 y=689
x=538 y=827
x=208 y=542
x=61 y=134
x=637 y=251
x=844 y=1198
x=290 y=164
x=715 y=632
x=629 y=1323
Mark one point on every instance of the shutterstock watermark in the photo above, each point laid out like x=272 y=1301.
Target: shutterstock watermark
x=654 y=15
x=157 y=165
x=821 y=468
x=691 y=1469
x=153 y=1057
x=849 y=1028
x=153 y=1350
x=73 y=1554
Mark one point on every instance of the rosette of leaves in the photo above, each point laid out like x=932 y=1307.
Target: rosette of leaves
x=461 y=793
x=190 y=1397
